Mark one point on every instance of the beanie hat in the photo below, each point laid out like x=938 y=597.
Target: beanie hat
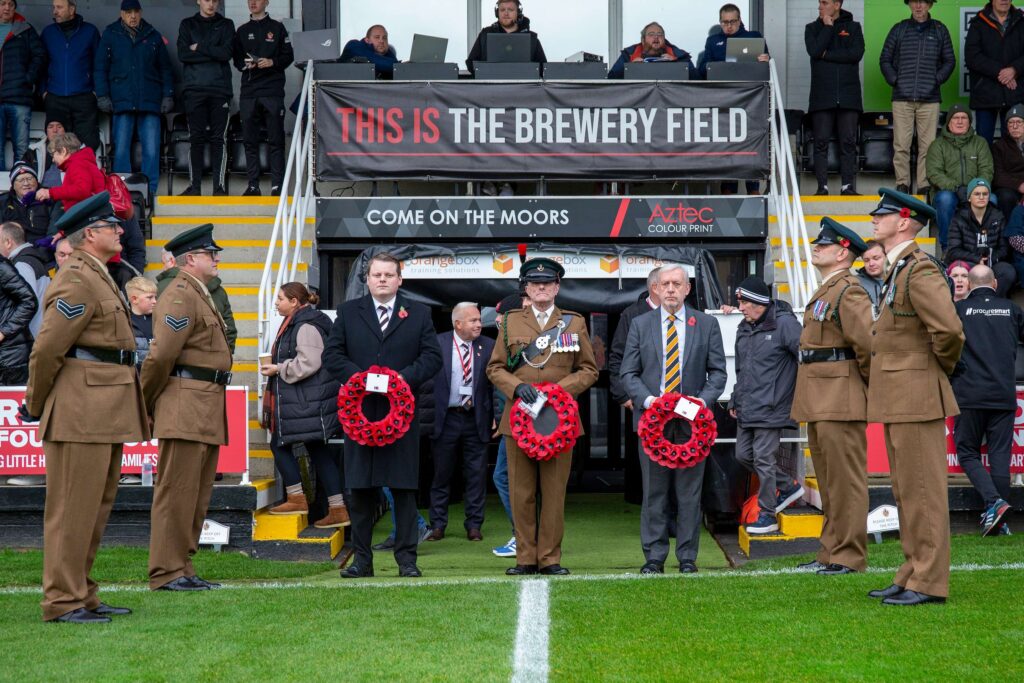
x=754 y=290
x=977 y=182
x=959 y=109
x=1016 y=112
x=23 y=167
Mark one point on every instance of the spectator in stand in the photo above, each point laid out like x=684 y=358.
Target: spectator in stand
x=732 y=27
x=993 y=49
x=653 y=47
x=214 y=286
x=872 y=273
x=958 y=272
x=141 y=301
x=204 y=49
x=21 y=206
x=917 y=58
x=957 y=156
x=31 y=263
x=17 y=308
x=1015 y=239
x=510 y=19
x=52 y=176
x=21 y=59
x=835 y=43
x=300 y=403
x=62 y=250
x=976 y=236
x=986 y=393
x=1008 y=160
x=373 y=49
x=71 y=44
x=134 y=83
x=262 y=51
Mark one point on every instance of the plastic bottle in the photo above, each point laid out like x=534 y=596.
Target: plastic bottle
x=147 y=473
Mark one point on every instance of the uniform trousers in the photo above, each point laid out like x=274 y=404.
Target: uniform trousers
x=185 y=483
x=81 y=483
x=459 y=428
x=839 y=451
x=538 y=532
x=659 y=484
x=996 y=426
x=918 y=469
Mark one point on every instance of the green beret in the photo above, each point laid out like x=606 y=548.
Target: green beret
x=894 y=202
x=833 y=232
x=86 y=212
x=541 y=269
x=194 y=239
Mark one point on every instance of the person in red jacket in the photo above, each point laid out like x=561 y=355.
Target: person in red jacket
x=82 y=177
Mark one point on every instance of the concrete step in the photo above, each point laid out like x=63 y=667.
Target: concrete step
x=230 y=227
x=235 y=251
x=197 y=208
x=234 y=274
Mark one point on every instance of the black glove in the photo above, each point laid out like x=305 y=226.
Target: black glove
x=24 y=415
x=959 y=369
x=526 y=392
x=166 y=105
x=104 y=104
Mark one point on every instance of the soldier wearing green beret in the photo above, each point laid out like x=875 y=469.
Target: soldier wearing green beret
x=524 y=355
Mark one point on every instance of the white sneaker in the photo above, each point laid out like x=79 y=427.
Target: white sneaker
x=27 y=480
x=130 y=479
x=507 y=550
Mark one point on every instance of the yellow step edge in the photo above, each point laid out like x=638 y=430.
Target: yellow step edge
x=811 y=482
x=244 y=367
x=245 y=315
x=268 y=527
x=222 y=220
x=260 y=453
x=777 y=241
x=255 y=424
x=169 y=199
x=745 y=539
x=263 y=484
x=245 y=342
x=801 y=526
x=843 y=198
x=236 y=243
x=231 y=266
x=242 y=291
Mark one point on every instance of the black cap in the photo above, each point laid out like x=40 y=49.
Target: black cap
x=510 y=303
x=833 y=232
x=754 y=290
x=86 y=212
x=194 y=239
x=895 y=202
x=541 y=269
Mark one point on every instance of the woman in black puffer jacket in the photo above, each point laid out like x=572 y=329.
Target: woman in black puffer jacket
x=17 y=307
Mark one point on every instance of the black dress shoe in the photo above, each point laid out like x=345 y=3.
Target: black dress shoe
x=910 y=598
x=835 y=570
x=687 y=567
x=886 y=592
x=554 y=570
x=82 y=616
x=106 y=610
x=182 y=583
x=356 y=572
x=522 y=570
x=199 y=581
x=387 y=544
x=652 y=568
x=811 y=566
x=409 y=571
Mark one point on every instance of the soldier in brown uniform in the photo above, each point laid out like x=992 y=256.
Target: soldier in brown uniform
x=517 y=363
x=832 y=396
x=82 y=382
x=184 y=379
x=915 y=345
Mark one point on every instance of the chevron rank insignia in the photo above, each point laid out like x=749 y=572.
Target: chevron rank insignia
x=176 y=324
x=70 y=311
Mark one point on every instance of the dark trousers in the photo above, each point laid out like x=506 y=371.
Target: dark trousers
x=1008 y=199
x=255 y=111
x=207 y=125
x=997 y=427
x=327 y=471
x=844 y=122
x=14 y=376
x=79 y=115
x=459 y=429
x=362 y=503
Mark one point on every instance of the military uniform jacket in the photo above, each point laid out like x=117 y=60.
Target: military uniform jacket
x=82 y=400
x=838 y=316
x=915 y=343
x=187 y=330
x=575 y=371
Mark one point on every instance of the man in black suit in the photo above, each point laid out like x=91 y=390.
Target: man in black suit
x=383 y=328
x=463 y=414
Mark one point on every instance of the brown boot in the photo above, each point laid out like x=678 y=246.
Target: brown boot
x=337 y=516
x=295 y=505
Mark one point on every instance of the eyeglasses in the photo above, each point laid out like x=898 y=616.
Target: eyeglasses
x=1014 y=123
x=25 y=178
x=654 y=34
x=729 y=22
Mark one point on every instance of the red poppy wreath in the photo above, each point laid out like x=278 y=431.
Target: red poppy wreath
x=547 y=446
x=385 y=431
x=703 y=432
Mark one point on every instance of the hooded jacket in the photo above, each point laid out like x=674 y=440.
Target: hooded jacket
x=268 y=38
x=715 y=45
x=17 y=307
x=953 y=160
x=134 y=74
x=835 y=53
x=21 y=60
x=71 y=56
x=766 y=364
x=987 y=50
x=476 y=53
x=82 y=178
x=964 y=232
x=207 y=69
x=630 y=53
x=917 y=58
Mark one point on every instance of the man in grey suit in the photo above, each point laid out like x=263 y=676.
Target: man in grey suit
x=687 y=357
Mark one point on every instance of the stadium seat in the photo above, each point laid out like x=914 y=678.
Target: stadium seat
x=176 y=151
x=236 y=150
x=876 y=146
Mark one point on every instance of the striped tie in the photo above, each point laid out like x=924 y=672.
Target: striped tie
x=384 y=318
x=467 y=372
x=672 y=374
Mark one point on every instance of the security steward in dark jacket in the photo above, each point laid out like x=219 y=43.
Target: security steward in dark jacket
x=262 y=51
x=84 y=389
x=986 y=393
x=510 y=19
x=994 y=56
x=832 y=397
x=17 y=308
x=184 y=379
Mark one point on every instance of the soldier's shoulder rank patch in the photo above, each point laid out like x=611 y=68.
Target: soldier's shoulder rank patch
x=70 y=311
x=176 y=324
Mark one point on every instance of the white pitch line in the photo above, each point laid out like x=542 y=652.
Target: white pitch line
x=486 y=580
x=530 y=658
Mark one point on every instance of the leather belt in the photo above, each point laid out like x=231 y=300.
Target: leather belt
x=113 y=356
x=827 y=355
x=221 y=377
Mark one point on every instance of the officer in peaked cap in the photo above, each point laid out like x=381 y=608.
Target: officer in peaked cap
x=184 y=380
x=539 y=343
x=916 y=341
x=831 y=397
x=84 y=388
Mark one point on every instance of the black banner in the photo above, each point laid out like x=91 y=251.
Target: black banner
x=577 y=219
x=510 y=130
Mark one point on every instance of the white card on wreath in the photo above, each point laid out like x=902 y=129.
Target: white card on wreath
x=377 y=383
x=687 y=408
x=533 y=409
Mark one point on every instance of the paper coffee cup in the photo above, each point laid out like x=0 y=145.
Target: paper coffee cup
x=265 y=359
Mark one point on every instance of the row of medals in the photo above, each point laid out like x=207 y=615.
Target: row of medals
x=564 y=343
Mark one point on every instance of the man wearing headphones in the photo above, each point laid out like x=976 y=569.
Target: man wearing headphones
x=653 y=47
x=510 y=19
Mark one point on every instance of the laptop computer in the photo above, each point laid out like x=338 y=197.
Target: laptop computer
x=743 y=49
x=507 y=47
x=429 y=49
x=318 y=46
